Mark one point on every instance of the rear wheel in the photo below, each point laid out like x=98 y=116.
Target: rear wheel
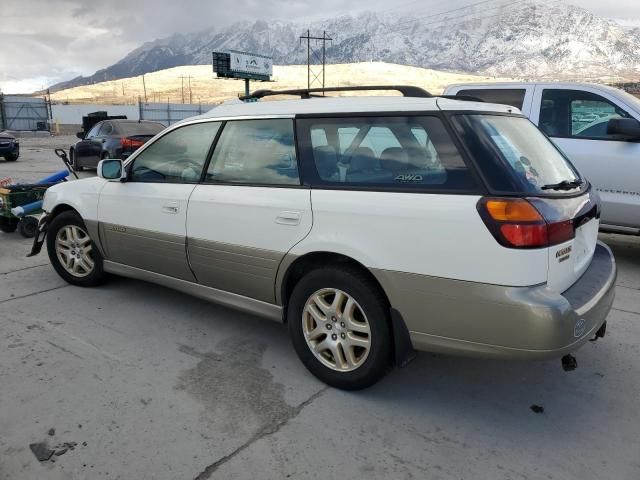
x=72 y=252
x=339 y=326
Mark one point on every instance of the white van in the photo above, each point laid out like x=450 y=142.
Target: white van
x=596 y=126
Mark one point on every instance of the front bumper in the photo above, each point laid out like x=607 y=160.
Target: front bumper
x=511 y=322
x=12 y=149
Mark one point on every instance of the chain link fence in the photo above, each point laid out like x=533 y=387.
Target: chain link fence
x=170 y=113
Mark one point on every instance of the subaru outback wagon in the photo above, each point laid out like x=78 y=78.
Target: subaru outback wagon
x=372 y=226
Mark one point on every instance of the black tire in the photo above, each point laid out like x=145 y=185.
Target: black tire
x=97 y=274
x=28 y=227
x=370 y=299
x=9 y=224
x=74 y=162
x=11 y=158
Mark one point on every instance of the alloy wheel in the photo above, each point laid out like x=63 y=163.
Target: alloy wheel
x=336 y=329
x=73 y=248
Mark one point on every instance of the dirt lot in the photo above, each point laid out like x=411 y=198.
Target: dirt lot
x=153 y=384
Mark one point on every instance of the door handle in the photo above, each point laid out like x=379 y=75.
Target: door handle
x=288 y=218
x=171 y=207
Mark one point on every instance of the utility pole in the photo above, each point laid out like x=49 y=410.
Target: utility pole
x=188 y=77
x=316 y=56
x=144 y=86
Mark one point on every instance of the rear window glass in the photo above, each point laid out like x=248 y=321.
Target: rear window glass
x=142 y=128
x=383 y=152
x=532 y=161
x=504 y=96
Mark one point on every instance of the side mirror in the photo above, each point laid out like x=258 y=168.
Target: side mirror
x=112 y=170
x=629 y=128
x=80 y=135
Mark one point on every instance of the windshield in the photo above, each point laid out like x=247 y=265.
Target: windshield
x=537 y=164
x=629 y=99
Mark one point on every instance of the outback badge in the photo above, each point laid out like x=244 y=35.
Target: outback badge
x=563 y=254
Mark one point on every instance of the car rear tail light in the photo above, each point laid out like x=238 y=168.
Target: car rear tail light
x=517 y=223
x=130 y=143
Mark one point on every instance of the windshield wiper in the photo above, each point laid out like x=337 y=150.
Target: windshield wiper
x=564 y=185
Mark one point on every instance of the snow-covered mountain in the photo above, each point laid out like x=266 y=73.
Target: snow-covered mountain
x=527 y=38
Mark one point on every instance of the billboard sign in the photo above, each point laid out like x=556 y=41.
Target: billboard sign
x=251 y=63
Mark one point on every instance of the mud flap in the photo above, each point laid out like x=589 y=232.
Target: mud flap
x=404 y=352
x=41 y=234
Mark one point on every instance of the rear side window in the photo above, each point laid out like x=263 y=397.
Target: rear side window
x=256 y=152
x=383 y=152
x=504 y=96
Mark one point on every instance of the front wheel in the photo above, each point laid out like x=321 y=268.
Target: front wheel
x=339 y=326
x=72 y=252
x=11 y=157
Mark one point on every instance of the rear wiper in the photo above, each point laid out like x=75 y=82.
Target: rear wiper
x=563 y=185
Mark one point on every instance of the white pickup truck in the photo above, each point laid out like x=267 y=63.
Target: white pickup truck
x=596 y=126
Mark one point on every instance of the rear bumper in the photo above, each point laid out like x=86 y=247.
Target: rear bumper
x=482 y=320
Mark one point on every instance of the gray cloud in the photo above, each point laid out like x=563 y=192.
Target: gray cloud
x=44 y=41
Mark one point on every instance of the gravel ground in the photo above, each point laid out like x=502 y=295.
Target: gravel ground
x=134 y=381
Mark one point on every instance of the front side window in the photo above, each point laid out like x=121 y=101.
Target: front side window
x=386 y=152
x=513 y=154
x=105 y=129
x=257 y=152
x=177 y=157
x=577 y=114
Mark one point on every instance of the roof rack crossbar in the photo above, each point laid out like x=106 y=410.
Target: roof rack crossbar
x=406 y=90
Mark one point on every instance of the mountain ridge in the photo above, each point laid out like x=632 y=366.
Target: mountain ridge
x=529 y=40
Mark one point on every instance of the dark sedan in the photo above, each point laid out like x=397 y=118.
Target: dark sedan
x=111 y=139
x=9 y=147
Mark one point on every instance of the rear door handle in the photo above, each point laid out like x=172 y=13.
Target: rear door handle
x=171 y=207
x=288 y=218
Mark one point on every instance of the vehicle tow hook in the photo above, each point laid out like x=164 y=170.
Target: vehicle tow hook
x=569 y=363
x=600 y=333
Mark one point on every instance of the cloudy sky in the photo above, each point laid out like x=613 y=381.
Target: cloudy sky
x=45 y=41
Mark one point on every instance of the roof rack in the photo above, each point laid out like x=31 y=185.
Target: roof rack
x=406 y=90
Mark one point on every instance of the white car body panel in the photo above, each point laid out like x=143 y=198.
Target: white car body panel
x=81 y=195
x=256 y=217
x=158 y=207
x=418 y=233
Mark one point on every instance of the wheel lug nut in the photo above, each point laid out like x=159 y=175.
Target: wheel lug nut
x=343 y=335
x=334 y=337
x=342 y=324
x=333 y=319
x=328 y=326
